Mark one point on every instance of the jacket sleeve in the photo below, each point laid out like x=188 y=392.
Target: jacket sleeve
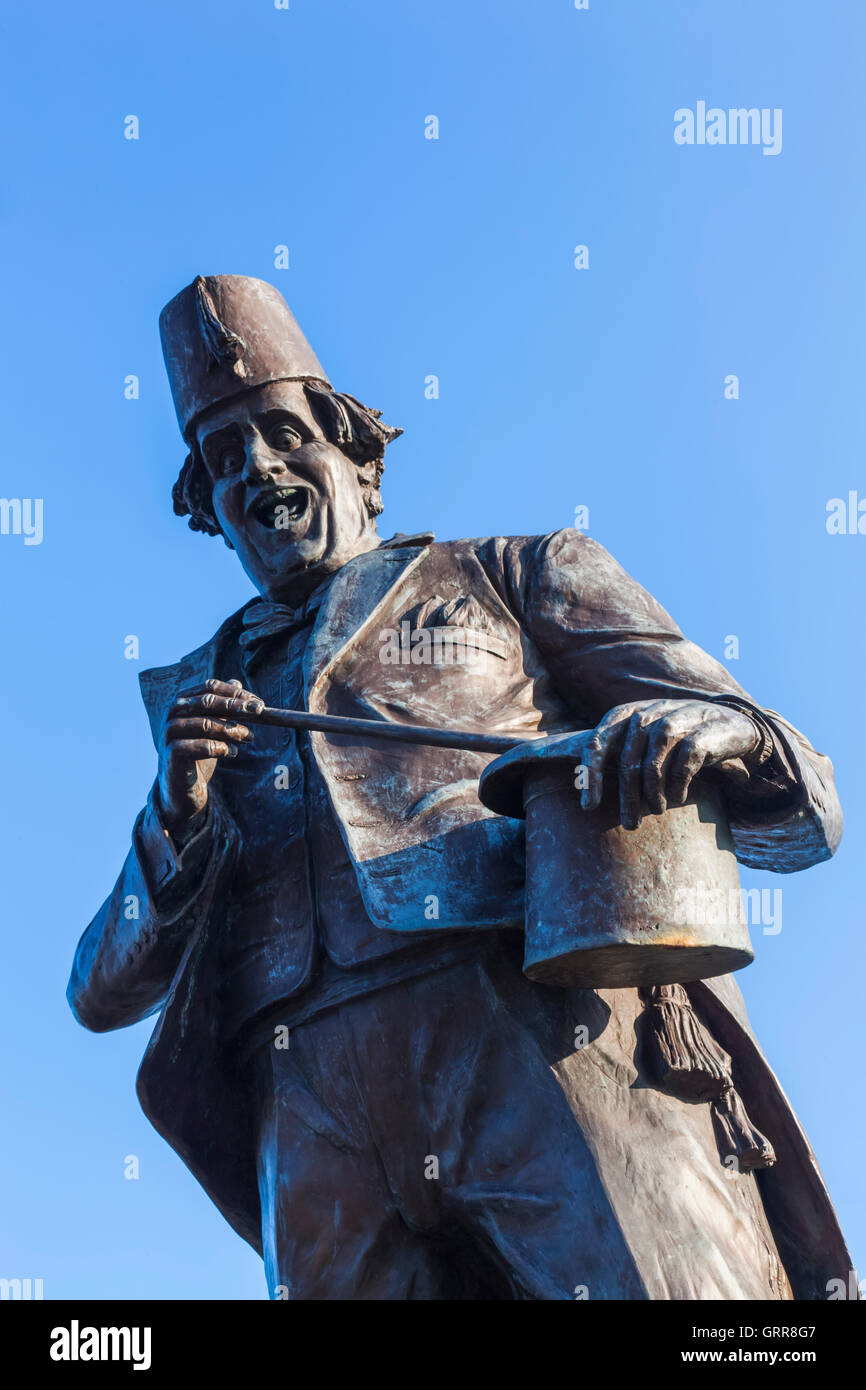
x=125 y=961
x=607 y=642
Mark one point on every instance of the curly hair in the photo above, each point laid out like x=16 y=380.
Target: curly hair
x=358 y=431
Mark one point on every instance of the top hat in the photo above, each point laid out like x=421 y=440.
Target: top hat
x=225 y=334
x=608 y=907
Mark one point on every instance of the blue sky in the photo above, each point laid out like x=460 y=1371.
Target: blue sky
x=559 y=387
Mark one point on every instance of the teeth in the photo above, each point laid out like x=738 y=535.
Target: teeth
x=293 y=499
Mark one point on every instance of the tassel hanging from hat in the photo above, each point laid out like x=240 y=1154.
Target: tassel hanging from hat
x=690 y=1065
x=736 y=1136
x=223 y=345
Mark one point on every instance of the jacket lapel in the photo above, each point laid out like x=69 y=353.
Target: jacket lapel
x=353 y=601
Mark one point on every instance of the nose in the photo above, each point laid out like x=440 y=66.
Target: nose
x=261 y=463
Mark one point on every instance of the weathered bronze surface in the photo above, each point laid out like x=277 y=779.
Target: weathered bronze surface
x=604 y=905
x=331 y=927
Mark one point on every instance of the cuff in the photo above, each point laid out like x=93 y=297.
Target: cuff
x=770 y=770
x=169 y=863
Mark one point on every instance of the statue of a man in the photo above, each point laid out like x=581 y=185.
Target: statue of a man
x=348 y=1055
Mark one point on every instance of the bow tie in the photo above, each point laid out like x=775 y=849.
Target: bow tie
x=264 y=620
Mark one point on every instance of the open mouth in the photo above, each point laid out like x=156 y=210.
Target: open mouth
x=280 y=507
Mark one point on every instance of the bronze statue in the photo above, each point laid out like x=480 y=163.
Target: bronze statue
x=350 y=1055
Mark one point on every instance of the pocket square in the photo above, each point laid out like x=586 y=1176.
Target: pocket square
x=464 y=613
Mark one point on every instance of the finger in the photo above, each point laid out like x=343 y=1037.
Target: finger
x=218 y=705
x=597 y=752
x=655 y=765
x=177 y=729
x=232 y=689
x=197 y=749
x=631 y=772
x=684 y=765
x=663 y=739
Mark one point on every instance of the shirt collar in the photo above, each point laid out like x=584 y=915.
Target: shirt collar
x=263 y=619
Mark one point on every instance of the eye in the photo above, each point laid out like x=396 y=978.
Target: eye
x=284 y=438
x=229 y=460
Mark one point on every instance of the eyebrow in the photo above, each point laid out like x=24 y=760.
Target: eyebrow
x=279 y=415
x=215 y=437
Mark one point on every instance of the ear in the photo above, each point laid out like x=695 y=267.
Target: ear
x=191 y=495
x=178 y=492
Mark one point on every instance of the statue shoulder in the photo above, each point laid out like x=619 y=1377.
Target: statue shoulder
x=540 y=558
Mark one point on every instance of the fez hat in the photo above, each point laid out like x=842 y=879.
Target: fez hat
x=225 y=334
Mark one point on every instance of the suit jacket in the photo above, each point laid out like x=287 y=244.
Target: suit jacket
x=565 y=634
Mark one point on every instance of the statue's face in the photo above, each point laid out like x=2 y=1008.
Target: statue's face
x=289 y=502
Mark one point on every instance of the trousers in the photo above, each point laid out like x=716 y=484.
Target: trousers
x=444 y=1138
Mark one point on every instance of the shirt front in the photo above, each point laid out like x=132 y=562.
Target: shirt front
x=295 y=903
